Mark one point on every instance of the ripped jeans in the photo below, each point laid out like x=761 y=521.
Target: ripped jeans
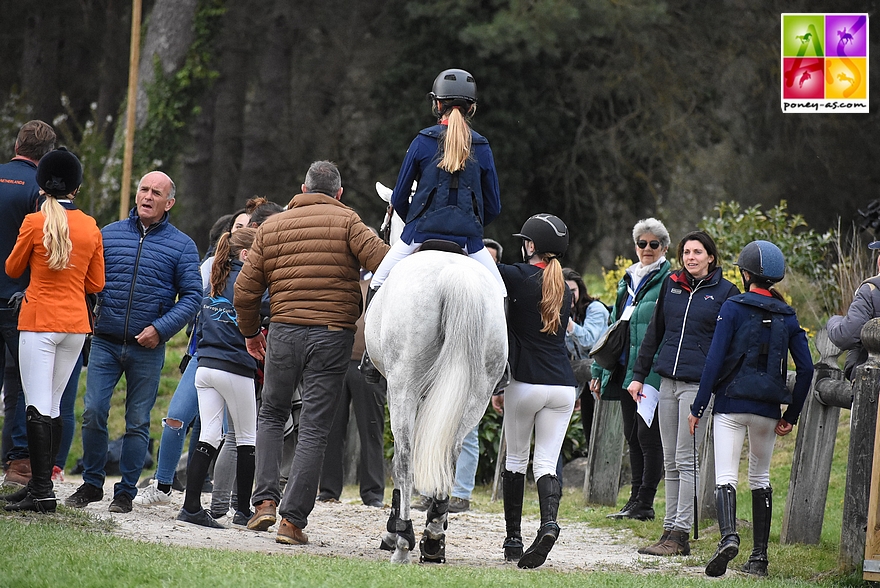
x=184 y=407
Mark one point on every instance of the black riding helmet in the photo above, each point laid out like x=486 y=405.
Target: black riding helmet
x=547 y=232
x=453 y=87
x=59 y=173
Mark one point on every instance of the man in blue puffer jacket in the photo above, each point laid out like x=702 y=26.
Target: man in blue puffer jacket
x=153 y=289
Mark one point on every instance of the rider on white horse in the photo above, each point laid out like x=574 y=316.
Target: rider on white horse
x=457 y=193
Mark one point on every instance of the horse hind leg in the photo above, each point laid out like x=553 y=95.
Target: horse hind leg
x=399 y=535
x=433 y=544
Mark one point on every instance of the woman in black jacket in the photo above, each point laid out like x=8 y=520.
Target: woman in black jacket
x=681 y=328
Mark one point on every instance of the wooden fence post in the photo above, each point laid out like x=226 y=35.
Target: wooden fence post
x=602 y=482
x=814 y=450
x=861 y=447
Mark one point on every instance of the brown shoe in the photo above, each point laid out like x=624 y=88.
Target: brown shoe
x=19 y=472
x=264 y=516
x=290 y=534
x=662 y=538
x=675 y=544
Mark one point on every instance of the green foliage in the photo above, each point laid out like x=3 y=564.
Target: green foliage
x=87 y=141
x=809 y=256
x=174 y=98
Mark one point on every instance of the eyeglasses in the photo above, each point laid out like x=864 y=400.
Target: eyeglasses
x=642 y=244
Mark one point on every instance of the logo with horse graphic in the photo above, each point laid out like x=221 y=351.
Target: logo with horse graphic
x=824 y=63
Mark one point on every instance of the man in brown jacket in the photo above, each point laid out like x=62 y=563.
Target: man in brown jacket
x=309 y=258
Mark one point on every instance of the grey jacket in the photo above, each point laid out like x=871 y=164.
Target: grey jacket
x=846 y=331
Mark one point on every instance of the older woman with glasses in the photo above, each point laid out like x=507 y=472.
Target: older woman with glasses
x=637 y=294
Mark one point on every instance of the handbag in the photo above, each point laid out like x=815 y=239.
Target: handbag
x=610 y=346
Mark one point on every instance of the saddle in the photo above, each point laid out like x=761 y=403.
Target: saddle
x=441 y=245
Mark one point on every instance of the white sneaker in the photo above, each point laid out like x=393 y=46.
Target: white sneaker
x=151 y=496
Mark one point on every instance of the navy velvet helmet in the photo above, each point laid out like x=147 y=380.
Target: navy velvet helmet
x=763 y=260
x=59 y=173
x=547 y=232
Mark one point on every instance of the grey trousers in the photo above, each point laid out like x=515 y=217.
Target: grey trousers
x=676 y=398
x=319 y=357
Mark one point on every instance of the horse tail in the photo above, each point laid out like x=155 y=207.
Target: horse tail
x=450 y=379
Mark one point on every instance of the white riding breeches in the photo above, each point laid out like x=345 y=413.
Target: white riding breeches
x=46 y=361
x=730 y=433
x=543 y=408
x=219 y=390
x=400 y=250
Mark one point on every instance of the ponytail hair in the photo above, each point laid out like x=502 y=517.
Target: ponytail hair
x=56 y=234
x=228 y=247
x=552 y=295
x=456 y=142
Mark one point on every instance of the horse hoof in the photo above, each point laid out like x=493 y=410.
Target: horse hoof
x=433 y=550
x=400 y=556
x=389 y=542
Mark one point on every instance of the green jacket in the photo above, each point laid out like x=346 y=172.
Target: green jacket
x=646 y=300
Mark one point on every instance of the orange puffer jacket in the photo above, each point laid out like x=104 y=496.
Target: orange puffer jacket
x=309 y=258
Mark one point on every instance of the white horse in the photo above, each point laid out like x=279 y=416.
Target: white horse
x=436 y=330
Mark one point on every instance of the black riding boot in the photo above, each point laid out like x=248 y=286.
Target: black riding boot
x=762 y=513
x=367 y=368
x=549 y=494
x=512 y=487
x=244 y=477
x=198 y=467
x=40 y=496
x=728 y=547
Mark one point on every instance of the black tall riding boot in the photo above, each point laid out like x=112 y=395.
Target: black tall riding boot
x=195 y=472
x=40 y=496
x=244 y=477
x=762 y=513
x=549 y=495
x=512 y=487
x=728 y=547
x=367 y=368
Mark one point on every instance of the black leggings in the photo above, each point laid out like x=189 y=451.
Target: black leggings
x=645 y=450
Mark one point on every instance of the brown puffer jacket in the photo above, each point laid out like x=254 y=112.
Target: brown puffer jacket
x=309 y=257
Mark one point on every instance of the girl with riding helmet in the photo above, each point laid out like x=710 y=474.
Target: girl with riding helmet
x=675 y=345
x=64 y=250
x=746 y=370
x=542 y=389
x=457 y=191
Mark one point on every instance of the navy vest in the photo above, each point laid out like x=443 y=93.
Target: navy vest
x=757 y=360
x=448 y=204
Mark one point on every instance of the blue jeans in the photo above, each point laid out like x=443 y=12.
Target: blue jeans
x=466 y=466
x=142 y=368
x=184 y=407
x=68 y=419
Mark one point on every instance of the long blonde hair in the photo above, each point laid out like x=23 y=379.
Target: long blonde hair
x=228 y=247
x=56 y=234
x=552 y=295
x=456 y=142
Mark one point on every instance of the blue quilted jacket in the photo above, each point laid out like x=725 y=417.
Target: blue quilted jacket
x=152 y=278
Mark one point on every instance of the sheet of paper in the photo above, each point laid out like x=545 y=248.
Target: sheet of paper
x=648 y=404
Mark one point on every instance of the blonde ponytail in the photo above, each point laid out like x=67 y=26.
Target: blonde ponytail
x=56 y=234
x=456 y=143
x=552 y=295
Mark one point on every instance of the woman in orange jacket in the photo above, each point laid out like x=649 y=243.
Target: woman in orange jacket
x=62 y=246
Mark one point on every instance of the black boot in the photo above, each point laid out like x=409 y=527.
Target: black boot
x=728 y=547
x=762 y=513
x=549 y=494
x=195 y=473
x=512 y=487
x=244 y=478
x=40 y=496
x=367 y=368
